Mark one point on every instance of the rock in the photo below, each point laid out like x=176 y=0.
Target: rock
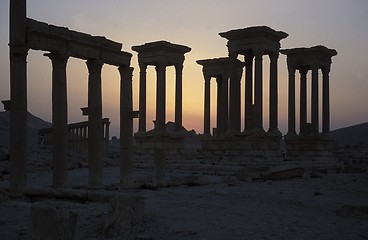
x=283 y=172
x=125 y=212
x=52 y=220
x=352 y=211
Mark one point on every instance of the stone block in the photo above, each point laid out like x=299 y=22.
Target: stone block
x=50 y=220
x=283 y=172
x=82 y=37
x=62 y=32
x=125 y=212
x=34 y=25
x=113 y=45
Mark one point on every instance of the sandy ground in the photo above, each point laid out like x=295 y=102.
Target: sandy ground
x=334 y=206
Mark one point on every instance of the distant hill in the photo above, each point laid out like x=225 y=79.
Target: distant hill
x=34 y=123
x=356 y=135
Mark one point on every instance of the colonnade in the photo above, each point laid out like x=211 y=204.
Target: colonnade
x=26 y=34
x=305 y=59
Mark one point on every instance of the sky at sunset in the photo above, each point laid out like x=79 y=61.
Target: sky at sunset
x=337 y=24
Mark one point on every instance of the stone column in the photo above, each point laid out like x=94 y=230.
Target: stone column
x=95 y=138
x=18 y=95
x=273 y=108
x=248 y=91
x=219 y=106
x=225 y=102
x=59 y=120
x=315 y=99
x=326 y=100
x=303 y=100
x=161 y=97
x=126 y=124
x=179 y=97
x=291 y=100
x=258 y=93
x=207 y=104
x=234 y=113
x=107 y=132
x=142 y=97
x=18 y=119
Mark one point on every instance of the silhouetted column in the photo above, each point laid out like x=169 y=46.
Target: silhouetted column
x=126 y=124
x=161 y=97
x=95 y=139
x=18 y=96
x=326 y=100
x=303 y=100
x=207 y=104
x=234 y=113
x=248 y=91
x=179 y=97
x=291 y=101
x=107 y=133
x=219 y=105
x=273 y=108
x=225 y=103
x=142 y=97
x=315 y=99
x=59 y=120
x=258 y=96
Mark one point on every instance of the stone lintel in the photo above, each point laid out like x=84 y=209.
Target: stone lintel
x=261 y=38
x=306 y=58
x=45 y=37
x=161 y=52
x=218 y=66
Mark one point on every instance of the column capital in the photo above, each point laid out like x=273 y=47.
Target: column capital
x=94 y=65
x=291 y=69
x=219 y=80
x=179 y=67
x=233 y=55
x=125 y=70
x=326 y=69
x=273 y=56
x=258 y=52
x=142 y=66
x=18 y=51
x=303 y=71
x=59 y=60
x=160 y=65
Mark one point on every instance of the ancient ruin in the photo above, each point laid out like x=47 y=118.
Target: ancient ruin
x=62 y=43
x=309 y=143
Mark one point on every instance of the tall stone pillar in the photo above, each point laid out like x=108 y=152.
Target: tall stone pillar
x=219 y=106
x=161 y=97
x=326 y=100
x=291 y=100
x=126 y=124
x=142 y=97
x=248 y=91
x=225 y=103
x=234 y=113
x=207 y=104
x=59 y=120
x=273 y=108
x=95 y=138
x=315 y=99
x=18 y=95
x=258 y=96
x=303 y=100
x=179 y=97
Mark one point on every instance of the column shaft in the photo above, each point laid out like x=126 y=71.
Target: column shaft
x=291 y=101
x=126 y=124
x=207 y=104
x=18 y=120
x=258 y=103
x=59 y=120
x=142 y=97
x=249 y=91
x=95 y=138
x=161 y=97
x=303 y=100
x=234 y=113
x=315 y=100
x=273 y=93
x=219 y=106
x=225 y=103
x=179 y=97
x=326 y=100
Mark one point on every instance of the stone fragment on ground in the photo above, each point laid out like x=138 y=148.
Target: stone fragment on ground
x=52 y=220
x=283 y=172
x=125 y=213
